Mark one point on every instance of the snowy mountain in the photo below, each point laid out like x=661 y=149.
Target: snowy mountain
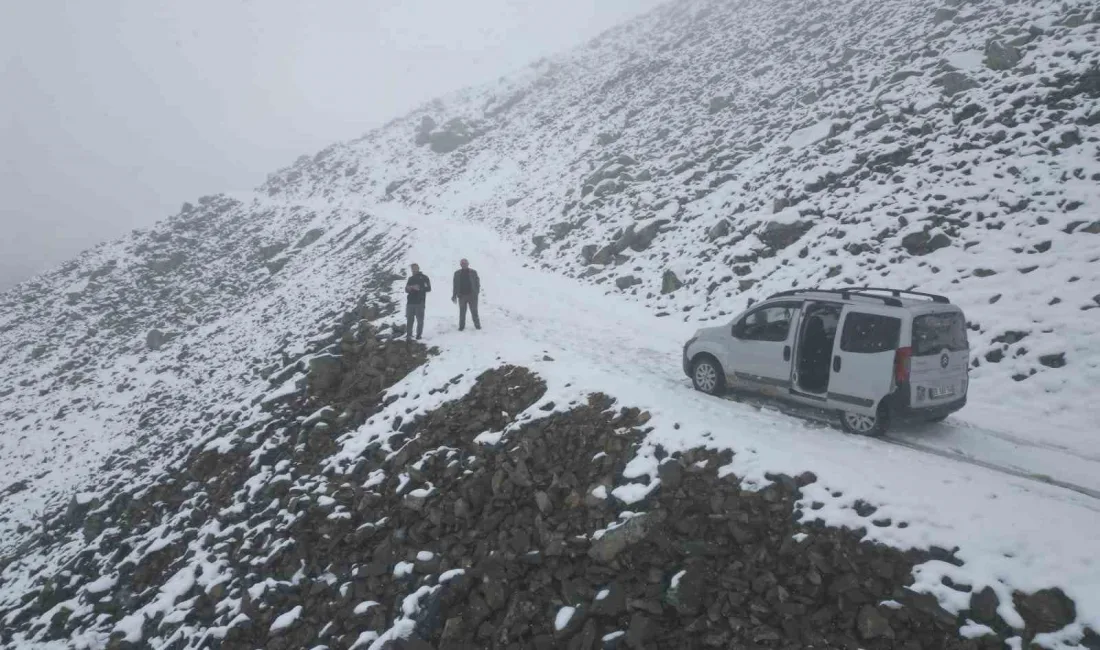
x=212 y=434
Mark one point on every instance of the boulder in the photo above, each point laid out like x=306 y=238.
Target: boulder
x=669 y=282
x=641 y=239
x=1053 y=360
x=156 y=339
x=311 y=236
x=632 y=531
x=781 y=235
x=944 y=14
x=983 y=606
x=718 y=230
x=717 y=104
x=626 y=281
x=610 y=602
x=872 y=624
x=921 y=243
x=637 y=633
x=78 y=508
x=320 y=437
x=1047 y=610
x=1001 y=56
x=324 y=373
x=686 y=591
x=393 y=186
x=605 y=255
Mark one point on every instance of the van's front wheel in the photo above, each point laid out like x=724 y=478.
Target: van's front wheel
x=865 y=425
x=707 y=375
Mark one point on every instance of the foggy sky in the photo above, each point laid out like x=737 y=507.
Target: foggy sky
x=114 y=112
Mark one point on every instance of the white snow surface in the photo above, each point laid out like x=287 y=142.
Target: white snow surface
x=675 y=582
x=82 y=385
x=286 y=619
x=364 y=607
x=562 y=618
x=974 y=630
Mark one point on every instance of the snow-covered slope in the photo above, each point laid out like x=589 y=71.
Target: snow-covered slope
x=613 y=200
x=145 y=345
x=739 y=148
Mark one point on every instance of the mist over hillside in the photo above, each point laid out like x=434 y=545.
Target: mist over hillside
x=182 y=409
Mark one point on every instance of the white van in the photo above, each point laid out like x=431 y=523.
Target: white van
x=872 y=356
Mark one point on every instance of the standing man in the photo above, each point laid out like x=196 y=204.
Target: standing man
x=416 y=289
x=466 y=288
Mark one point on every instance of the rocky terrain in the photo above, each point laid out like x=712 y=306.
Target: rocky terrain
x=210 y=438
x=434 y=539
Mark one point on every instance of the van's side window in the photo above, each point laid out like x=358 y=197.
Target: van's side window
x=869 y=333
x=767 y=324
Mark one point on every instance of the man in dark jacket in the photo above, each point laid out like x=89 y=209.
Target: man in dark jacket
x=466 y=288
x=416 y=290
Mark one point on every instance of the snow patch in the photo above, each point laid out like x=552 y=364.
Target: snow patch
x=810 y=135
x=974 y=630
x=364 y=607
x=564 y=615
x=286 y=619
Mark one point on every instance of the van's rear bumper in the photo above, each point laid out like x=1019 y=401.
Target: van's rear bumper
x=902 y=410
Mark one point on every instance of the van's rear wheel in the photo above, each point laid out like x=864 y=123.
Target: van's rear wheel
x=865 y=425
x=707 y=375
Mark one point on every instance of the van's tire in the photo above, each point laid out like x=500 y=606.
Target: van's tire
x=707 y=375
x=938 y=418
x=873 y=426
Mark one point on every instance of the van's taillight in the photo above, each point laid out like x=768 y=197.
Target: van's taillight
x=902 y=358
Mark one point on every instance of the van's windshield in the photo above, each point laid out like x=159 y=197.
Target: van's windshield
x=935 y=332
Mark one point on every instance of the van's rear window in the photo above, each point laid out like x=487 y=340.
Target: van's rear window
x=935 y=332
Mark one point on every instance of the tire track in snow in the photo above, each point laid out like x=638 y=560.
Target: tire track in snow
x=1018 y=473
x=1024 y=442
x=941 y=452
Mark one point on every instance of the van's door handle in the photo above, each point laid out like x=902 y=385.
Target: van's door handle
x=836 y=363
x=786 y=353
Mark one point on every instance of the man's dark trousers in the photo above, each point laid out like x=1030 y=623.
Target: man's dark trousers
x=414 y=312
x=467 y=302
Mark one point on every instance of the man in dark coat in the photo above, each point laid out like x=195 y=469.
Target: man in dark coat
x=467 y=286
x=416 y=290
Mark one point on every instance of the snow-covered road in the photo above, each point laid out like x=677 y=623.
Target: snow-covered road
x=605 y=329
x=1012 y=532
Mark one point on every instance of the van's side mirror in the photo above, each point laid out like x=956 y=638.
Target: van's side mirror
x=737 y=329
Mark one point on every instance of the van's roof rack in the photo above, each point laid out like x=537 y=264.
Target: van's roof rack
x=844 y=294
x=894 y=300
x=898 y=293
